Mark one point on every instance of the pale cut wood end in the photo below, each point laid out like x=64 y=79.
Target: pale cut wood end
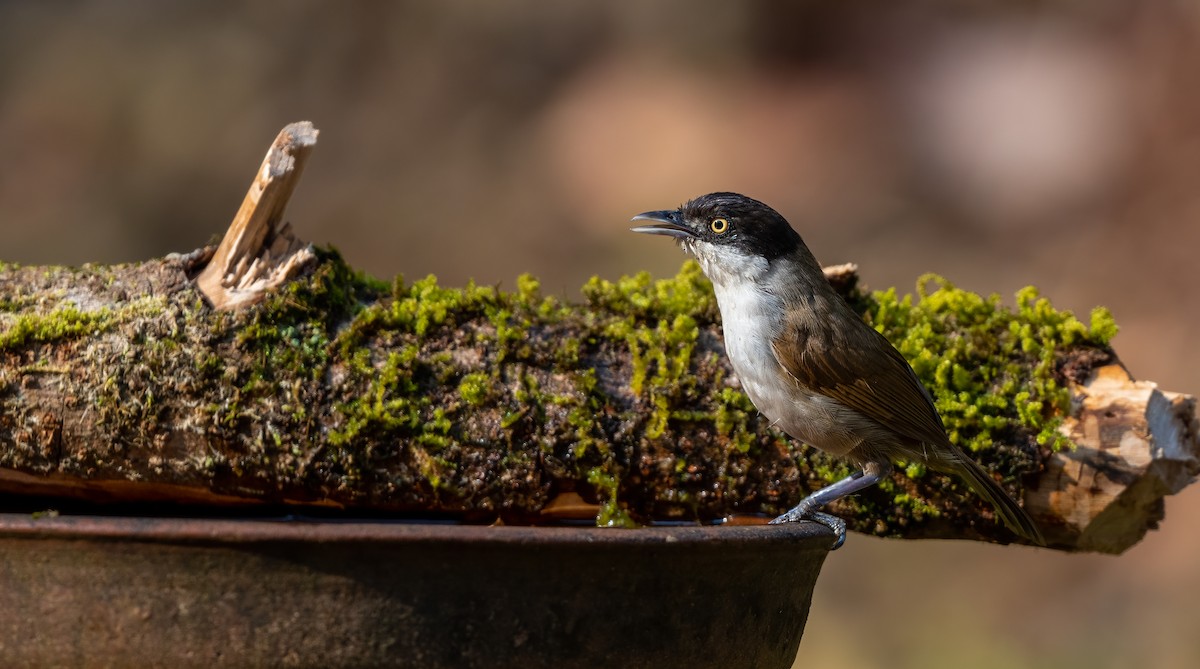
x=1134 y=444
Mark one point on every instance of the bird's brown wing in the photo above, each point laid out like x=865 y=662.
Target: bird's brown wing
x=881 y=385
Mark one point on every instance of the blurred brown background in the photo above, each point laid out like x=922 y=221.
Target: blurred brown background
x=1000 y=144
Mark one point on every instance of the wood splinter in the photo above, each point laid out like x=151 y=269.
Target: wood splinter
x=259 y=251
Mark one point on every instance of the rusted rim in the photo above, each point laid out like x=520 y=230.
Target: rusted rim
x=249 y=531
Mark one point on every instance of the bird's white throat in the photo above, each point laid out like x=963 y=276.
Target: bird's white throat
x=725 y=265
x=751 y=318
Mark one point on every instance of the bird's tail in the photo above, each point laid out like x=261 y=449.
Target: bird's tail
x=986 y=487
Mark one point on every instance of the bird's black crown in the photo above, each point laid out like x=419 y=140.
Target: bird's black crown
x=751 y=225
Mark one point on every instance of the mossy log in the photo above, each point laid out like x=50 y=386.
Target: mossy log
x=331 y=392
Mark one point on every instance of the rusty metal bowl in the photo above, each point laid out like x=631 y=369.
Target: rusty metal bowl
x=90 y=591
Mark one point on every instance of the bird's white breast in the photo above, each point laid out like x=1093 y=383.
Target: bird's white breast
x=752 y=318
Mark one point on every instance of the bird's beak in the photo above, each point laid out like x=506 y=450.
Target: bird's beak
x=667 y=222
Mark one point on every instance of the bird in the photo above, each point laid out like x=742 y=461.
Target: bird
x=809 y=363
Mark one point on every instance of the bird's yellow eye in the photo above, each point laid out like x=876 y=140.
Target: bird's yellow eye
x=719 y=225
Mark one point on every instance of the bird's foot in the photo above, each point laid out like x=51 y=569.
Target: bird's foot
x=801 y=512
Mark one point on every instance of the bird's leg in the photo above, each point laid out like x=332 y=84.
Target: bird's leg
x=872 y=473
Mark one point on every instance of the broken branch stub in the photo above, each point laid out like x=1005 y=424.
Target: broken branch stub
x=259 y=252
x=1134 y=444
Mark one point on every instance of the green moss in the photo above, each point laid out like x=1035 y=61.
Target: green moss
x=15 y=303
x=612 y=514
x=991 y=370
x=734 y=418
x=65 y=321
x=658 y=322
x=528 y=290
x=293 y=329
x=638 y=296
x=1103 y=326
x=912 y=507
x=474 y=388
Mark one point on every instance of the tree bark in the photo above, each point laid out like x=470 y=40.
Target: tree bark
x=198 y=382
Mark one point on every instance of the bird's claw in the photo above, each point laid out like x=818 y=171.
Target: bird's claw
x=828 y=520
